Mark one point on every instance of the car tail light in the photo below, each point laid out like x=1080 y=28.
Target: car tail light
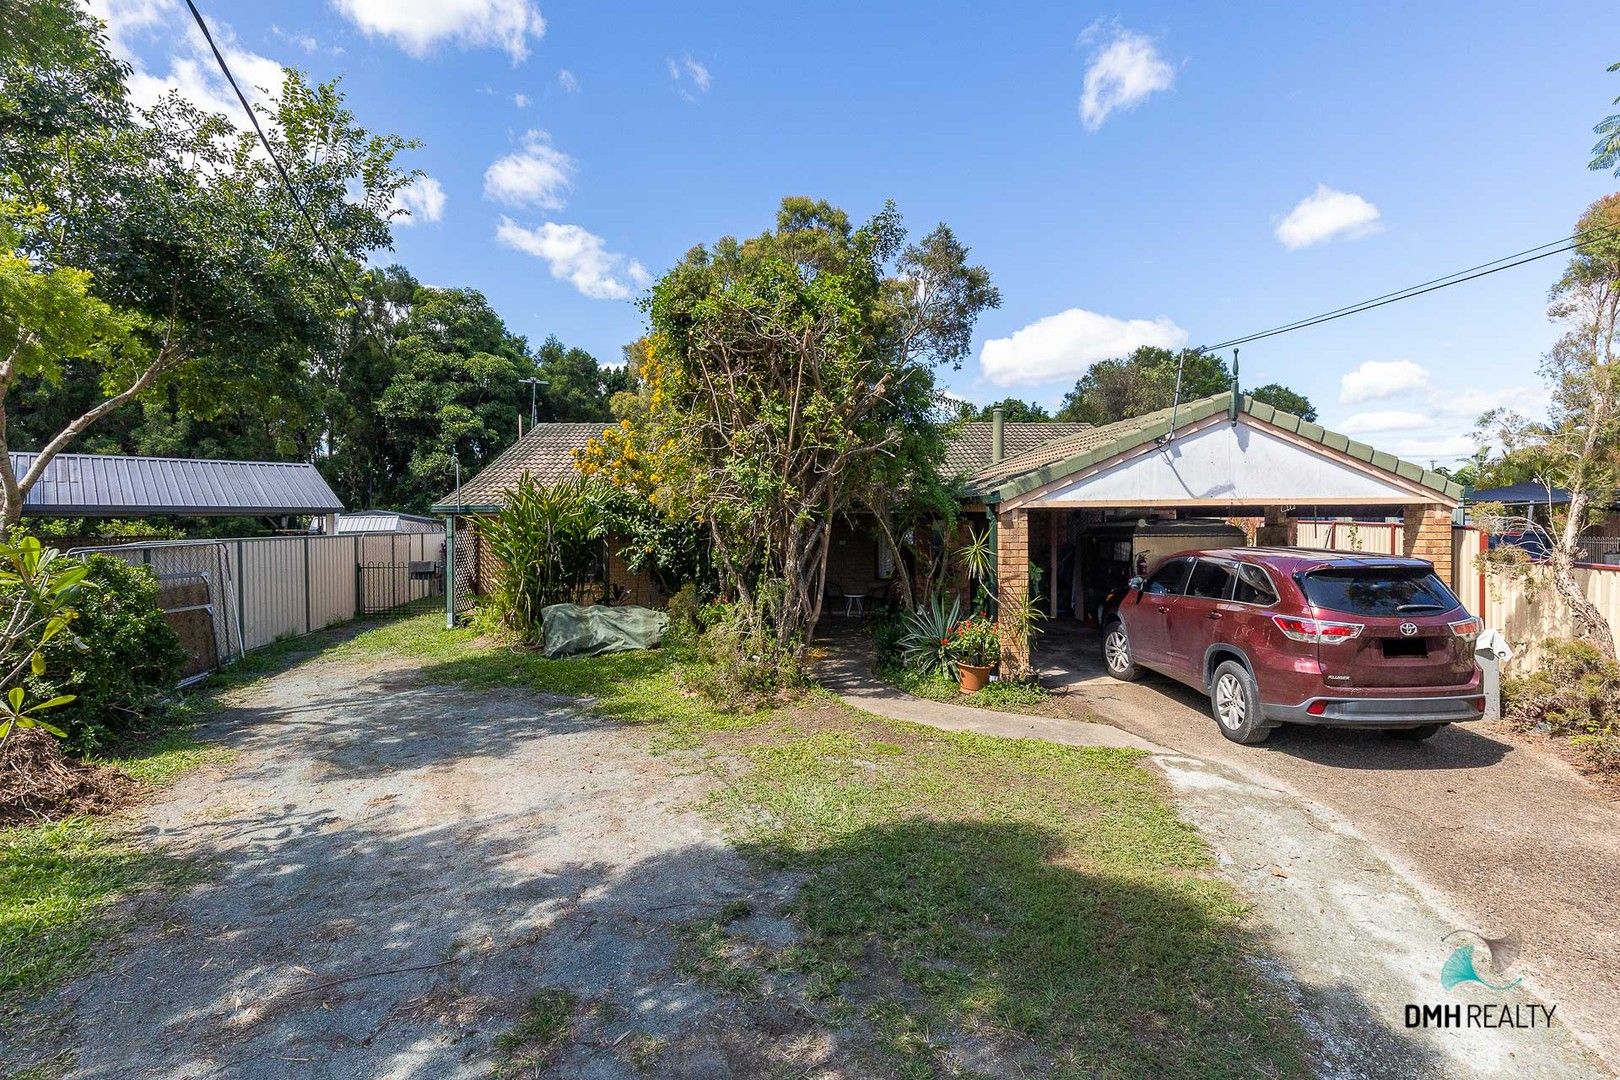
x=1319 y=631
x=1467 y=629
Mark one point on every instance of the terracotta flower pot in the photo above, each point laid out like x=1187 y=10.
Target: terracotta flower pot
x=973 y=677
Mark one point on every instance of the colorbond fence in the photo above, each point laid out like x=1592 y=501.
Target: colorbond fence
x=227 y=597
x=1525 y=615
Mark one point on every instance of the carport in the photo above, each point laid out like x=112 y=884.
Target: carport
x=1226 y=456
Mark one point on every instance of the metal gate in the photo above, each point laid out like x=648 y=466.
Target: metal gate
x=383 y=587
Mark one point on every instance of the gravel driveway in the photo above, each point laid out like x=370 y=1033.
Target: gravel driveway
x=1509 y=839
x=390 y=870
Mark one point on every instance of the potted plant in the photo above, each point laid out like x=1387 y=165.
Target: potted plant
x=975 y=645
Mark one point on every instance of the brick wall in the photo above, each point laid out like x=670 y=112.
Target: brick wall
x=1012 y=579
x=1427 y=535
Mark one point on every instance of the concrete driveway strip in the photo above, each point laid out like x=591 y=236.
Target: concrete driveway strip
x=1498 y=838
x=1351 y=926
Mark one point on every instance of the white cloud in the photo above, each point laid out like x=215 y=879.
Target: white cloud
x=423 y=200
x=520 y=100
x=1122 y=73
x=304 y=41
x=192 y=69
x=691 y=76
x=568 y=81
x=1324 y=214
x=1065 y=344
x=1379 y=379
x=577 y=256
x=1385 y=420
x=537 y=175
x=419 y=26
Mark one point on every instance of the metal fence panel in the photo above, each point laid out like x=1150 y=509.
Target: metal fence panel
x=253 y=591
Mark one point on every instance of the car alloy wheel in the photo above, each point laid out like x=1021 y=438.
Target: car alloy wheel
x=1117 y=651
x=1231 y=703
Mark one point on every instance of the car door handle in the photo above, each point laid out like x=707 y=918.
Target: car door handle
x=1213 y=615
x=1164 y=607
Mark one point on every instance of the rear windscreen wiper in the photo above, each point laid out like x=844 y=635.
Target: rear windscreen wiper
x=1421 y=607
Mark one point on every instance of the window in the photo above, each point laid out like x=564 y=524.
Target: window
x=1253 y=586
x=885 y=561
x=1210 y=580
x=1168 y=579
x=1378 y=590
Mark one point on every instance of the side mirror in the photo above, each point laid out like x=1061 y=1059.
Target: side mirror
x=1136 y=583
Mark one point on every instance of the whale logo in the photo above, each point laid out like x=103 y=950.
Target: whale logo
x=1460 y=966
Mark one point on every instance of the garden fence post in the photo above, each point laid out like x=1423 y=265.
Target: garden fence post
x=307 y=604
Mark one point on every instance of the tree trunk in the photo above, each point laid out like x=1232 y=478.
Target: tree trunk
x=1590 y=624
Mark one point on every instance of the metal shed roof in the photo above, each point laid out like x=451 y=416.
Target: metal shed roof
x=386 y=521
x=115 y=485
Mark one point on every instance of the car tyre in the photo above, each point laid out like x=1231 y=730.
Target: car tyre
x=1415 y=734
x=1116 y=653
x=1235 y=700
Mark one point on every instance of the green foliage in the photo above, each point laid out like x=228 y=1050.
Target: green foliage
x=547 y=541
x=684 y=610
x=671 y=548
x=746 y=665
x=544 y=1027
x=38 y=588
x=1002 y=695
x=1146 y=380
x=925 y=646
x=121 y=658
x=1606 y=153
x=1574 y=691
x=975 y=641
x=1013 y=411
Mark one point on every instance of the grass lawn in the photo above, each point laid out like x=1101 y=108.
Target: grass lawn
x=1002 y=696
x=961 y=891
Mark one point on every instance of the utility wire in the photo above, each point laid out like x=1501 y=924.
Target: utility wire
x=286 y=178
x=1506 y=262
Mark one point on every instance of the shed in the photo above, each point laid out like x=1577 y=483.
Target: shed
x=118 y=485
x=386 y=521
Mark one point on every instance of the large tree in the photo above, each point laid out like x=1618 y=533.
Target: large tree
x=1576 y=447
x=1013 y=410
x=1145 y=381
x=788 y=378
x=1606 y=154
x=176 y=241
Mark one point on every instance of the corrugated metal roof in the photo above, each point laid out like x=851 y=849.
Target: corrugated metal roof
x=115 y=485
x=386 y=521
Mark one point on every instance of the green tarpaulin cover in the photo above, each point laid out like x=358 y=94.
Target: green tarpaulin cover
x=572 y=630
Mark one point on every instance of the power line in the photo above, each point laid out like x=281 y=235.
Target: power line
x=1506 y=262
x=286 y=178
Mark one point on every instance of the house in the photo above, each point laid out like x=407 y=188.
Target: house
x=1041 y=487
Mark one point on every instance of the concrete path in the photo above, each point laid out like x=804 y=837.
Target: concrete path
x=845 y=673
x=1348 y=930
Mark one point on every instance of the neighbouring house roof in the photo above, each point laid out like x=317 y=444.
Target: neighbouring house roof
x=385 y=521
x=1052 y=461
x=968 y=448
x=1529 y=492
x=116 y=485
x=545 y=453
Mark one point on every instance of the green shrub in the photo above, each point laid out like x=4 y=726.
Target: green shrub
x=745 y=666
x=887 y=635
x=925 y=646
x=685 y=611
x=130 y=657
x=547 y=542
x=1574 y=691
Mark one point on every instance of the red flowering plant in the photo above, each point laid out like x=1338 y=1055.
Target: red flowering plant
x=975 y=641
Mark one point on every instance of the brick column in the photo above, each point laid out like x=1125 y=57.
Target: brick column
x=1427 y=535
x=1278 y=531
x=1012 y=587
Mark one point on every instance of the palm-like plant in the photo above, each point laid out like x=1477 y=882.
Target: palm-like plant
x=926 y=643
x=548 y=540
x=37 y=586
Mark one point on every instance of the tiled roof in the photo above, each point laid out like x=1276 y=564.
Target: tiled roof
x=1063 y=457
x=545 y=453
x=969 y=445
x=95 y=485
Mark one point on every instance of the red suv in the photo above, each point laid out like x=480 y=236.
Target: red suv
x=1277 y=635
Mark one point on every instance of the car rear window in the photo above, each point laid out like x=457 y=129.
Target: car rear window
x=1389 y=590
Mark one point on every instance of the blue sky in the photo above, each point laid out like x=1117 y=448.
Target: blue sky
x=1166 y=173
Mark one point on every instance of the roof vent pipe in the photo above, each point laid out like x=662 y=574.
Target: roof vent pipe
x=998 y=434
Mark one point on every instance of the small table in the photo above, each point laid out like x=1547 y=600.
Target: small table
x=855 y=603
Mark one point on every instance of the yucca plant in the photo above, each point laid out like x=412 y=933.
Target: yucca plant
x=926 y=643
x=548 y=540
